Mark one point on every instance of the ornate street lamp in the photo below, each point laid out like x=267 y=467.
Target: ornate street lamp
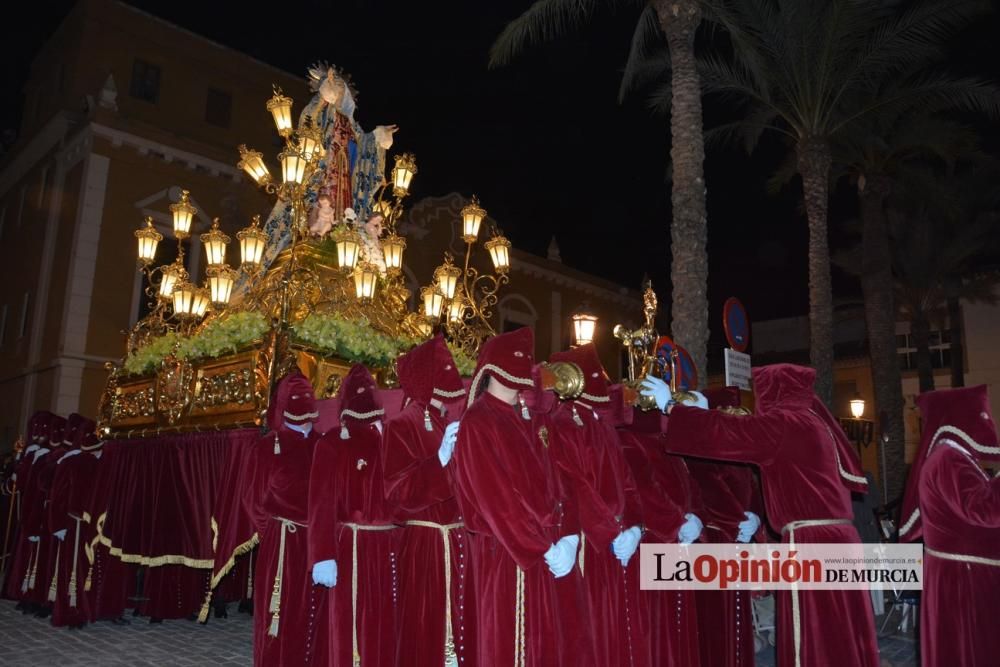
x=499 y=249
x=348 y=244
x=446 y=277
x=252 y=162
x=311 y=142
x=170 y=276
x=215 y=242
x=183 y=213
x=584 y=326
x=189 y=300
x=281 y=109
x=472 y=217
x=857 y=406
x=365 y=278
x=433 y=302
x=456 y=307
x=148 y=239
x=392 y=250
x=293 y=166
x=402 y=174
x=220 y=285
x=252 y=240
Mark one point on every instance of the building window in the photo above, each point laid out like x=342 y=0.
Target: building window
x=25 y=309
x=940 y=347
x=145 y=84
x=218 y=108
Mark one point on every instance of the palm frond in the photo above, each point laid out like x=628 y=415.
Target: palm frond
x=648 y=57
x=544 y=21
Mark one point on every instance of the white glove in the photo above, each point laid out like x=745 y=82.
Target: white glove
x=448 y=443
x=60 y=534
x=561 y=556
x=325 y=573
x=33 y=538
x=699 y=402
x=626 y=543
x=691 y=529
x=749 y=527
x=657 y=389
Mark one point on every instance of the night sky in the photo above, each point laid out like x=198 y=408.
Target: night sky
x=543 y=142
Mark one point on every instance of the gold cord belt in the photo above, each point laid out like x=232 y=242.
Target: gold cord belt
x=790 y=528
x=355 y=527
x=287 y=526
x=963 y=558
x=450 y=657
x=519 y=656
x=76 y=555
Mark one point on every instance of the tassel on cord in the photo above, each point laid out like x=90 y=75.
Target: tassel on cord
x=90 y=579
x=427 y=420
x=576 y=417
x=344 y=433
x=524 y=408
x=272 y=631
x=55 y=576
x=277 y=445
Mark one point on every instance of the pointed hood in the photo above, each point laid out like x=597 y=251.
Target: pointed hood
x=75 y=423
x=963 y=418
x=509 y=358
x=358 y=399
x=57 y=430
x=595 y=378
x=293 y=402
x=429 y=371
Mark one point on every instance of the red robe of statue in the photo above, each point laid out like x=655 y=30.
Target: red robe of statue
x=289 y=611
x=510 y=502
x=589 y=454
x=955 y=506
x=808 y=469
x=666 y=494
x=433 y=577
x=351 y=524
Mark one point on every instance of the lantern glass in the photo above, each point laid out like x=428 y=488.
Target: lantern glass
x=293 y=167
x=392 y=250
x=148 y=239
x=170 y=276
x=584 y=326
x=252 y=239
x=183 y=298
x=402 y=173
x=365 y=278
x=499 y=249
x=433 y=302
x=220 y=285
x=456 y=308
x=348 y=247
x=472 y=218
x=199 y=302
x=311 y=143
x=280 y=107
x=446 y=278
x=183 y=213
x=215 y=242
x=252 y=162
x=857 y=406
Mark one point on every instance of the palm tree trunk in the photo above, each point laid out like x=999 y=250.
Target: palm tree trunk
x=689 y=231
x=814 y=166
x=920 y=331
x=952 y=288
x=880 y=311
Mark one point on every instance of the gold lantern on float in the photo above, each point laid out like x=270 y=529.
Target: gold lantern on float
x=148 y=239
x=215 y=242
x=402 y=173
x=365 y=279
x=183 y=213
x=456 y=307
x=433 y=302
x=472 y=218
x=499 y=249
x=252 y=162
x=252 y=240
x=311 y=142
x=446 y=277
x=220 y=285
x=392 y=250
x=293 y=166
x=184 y=299
x=170 y=276
x=281 y=109
x=584 y=326
x=348 y=244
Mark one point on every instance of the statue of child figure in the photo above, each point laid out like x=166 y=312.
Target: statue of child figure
x=322 y=217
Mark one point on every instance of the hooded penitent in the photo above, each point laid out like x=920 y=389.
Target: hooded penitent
x=595 y=378
x=960 y=417
x=293 y=402
x=359 y=401
x=509 y=358
x=429 y=371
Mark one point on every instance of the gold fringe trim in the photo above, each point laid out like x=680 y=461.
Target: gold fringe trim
x=219 y=575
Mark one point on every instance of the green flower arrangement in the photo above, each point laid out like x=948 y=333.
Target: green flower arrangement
x=219 y=337
x=353 y=340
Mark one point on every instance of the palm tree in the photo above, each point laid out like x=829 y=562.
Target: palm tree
x=678 y=20
x=811 y=69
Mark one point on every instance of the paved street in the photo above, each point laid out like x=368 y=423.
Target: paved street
x=31 y=642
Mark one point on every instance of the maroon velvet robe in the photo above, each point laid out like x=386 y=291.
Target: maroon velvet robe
x=22 y=551
x=70 y=511
x=419 y=489
x=665 y=491
x=47 y=549
x=960 y=513
x=801 y=474
x=276 y=497
x=345 y=488
x=592 y=462
x=725 y=618
x=510 y=502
